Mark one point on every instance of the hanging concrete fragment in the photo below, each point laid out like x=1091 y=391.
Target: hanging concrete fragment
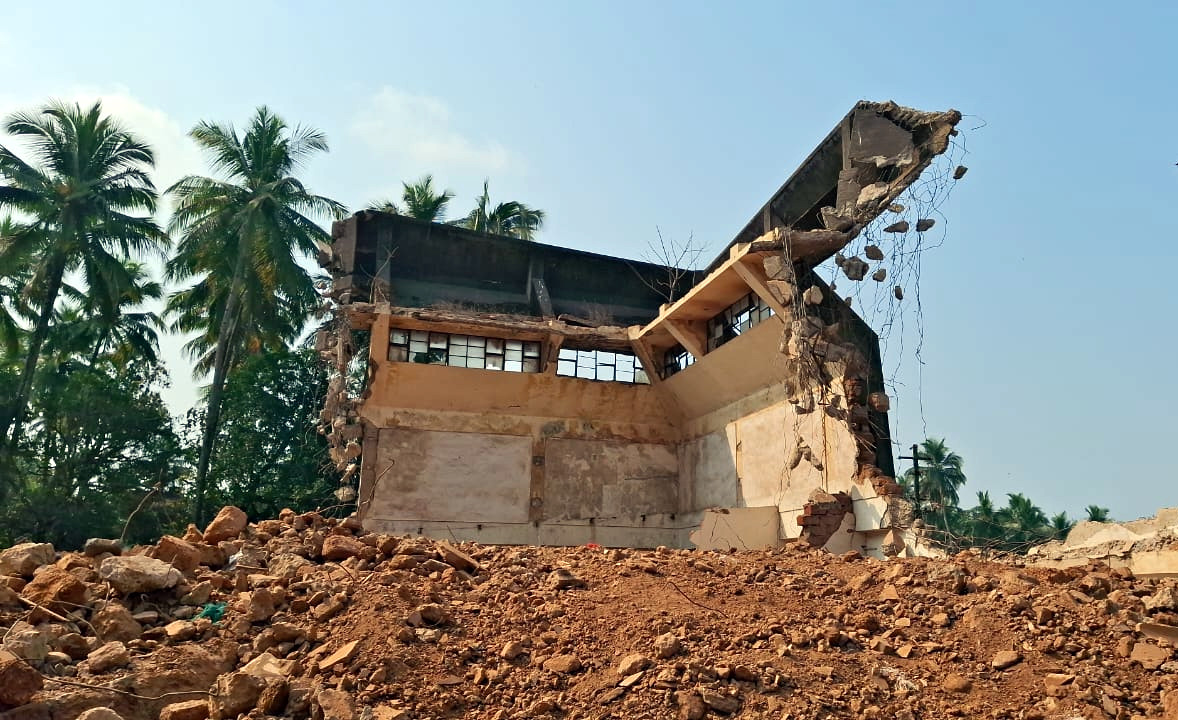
x=899 y=292
x=873 y=252
x=897 y=227
x=839 y=259
x=880 y=275
x=960 y=172
x=879 y=401
x=924 y=224
x=848 y=300
x=812 y=296
x=834 y=220
x=896 y=208
x=854 y=268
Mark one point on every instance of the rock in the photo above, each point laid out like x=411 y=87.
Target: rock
x=56 y=590
x=342 y=655
x=457 y=558
x=228 y=524
x=341 y=547
x=287 y=565
x=180 y=630
x=198 y=595
x=259 y=605
x=428 y=615
x=940 y=620
x=667 y=646
x=855 y=268
x=335 y=705
x=812 y=295
x=1166 y=598
x=873 y=252
x=102 y=546
x=18 y=681
x=74 y=645
x=191 y=710
x=25 y=558
x=633 y=663
x=924 y=224
x=691 y=706
x=957 y=683
x=180 y=554
x=9 y=597
x=1005 y=659
x=137 y=573
x=26 y=642
x=563 y=664
x=512 y=650
x=233 y=694
x=100 y=713
x=108 y=657
x=1170 y=705
x=113 y=622
x=1150 y=656
x=880 y=275
x=562 y=579
x=1058 y=684
x=723 y=704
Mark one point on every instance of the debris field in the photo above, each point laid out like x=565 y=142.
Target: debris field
x=311 y=617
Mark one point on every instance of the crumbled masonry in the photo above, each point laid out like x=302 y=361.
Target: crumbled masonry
x=415 y=629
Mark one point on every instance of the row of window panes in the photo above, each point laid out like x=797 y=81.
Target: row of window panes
x=470 y=351
x=601 y=365
x=736 y=319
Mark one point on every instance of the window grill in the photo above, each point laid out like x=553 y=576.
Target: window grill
x=469 y=351
x=676 y=359
x=737 y=318
x=601 y=365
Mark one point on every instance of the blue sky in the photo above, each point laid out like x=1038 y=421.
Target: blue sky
x=1048 y=315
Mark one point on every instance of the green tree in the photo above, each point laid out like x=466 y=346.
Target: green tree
x=119 y=332
x=941 y=475
x=419 y=200
x=510 y=218
x=1025 y=521
x=270 y=454
x=84 y=204
x=1097 y=514
x=240 y=234
x=1060 y=525
x=985 y=522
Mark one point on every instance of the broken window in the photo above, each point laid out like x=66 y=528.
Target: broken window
x=601 y=365
x=737 y=318
x=469 y=351
x=676 y=359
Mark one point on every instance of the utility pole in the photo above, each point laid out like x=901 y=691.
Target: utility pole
x=915 y=458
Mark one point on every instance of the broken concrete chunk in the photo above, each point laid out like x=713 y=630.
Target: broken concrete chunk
x=341 y=547
x=563 y=664
x=97 y=546
x=896 y=208
x=833 y=219
x=1005 y=659
x=854 y=268
x=812 y=296
x=880 y=275
x=960 y=172
x=898 y=292
x=872 y=193
x=19 y=682
x=25 y=558
x=873 y=252
x=879 y=401
x=562 y=579
x=897 y=227
x=189 y=710
x=228 y=524
x=108 y=657
x=137 y=573
x=667 y=646
x=924 y=224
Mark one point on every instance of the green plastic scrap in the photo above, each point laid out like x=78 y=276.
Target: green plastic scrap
x=212 y=611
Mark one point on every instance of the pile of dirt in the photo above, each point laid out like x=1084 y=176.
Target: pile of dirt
x=305 y=616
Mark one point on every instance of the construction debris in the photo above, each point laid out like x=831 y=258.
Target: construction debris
x=407 y=628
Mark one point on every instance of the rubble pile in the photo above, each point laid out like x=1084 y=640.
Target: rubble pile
x=310 y=617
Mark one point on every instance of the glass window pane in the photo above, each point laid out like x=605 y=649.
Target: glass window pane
x=532 y=349
x=399 y=337
x=457 y=361
x=567 y=354
x=568 y=368
x=532 y=365
x=494 y=345
x=458 y=340
x=515 y=353
x=475 y=362
x=421 y=335
x=641 y=377
x=458 y=351
x=439 y=340
x=398 y=354
x=515 y=345
x=475 y=352
x=494 y=362
x=513 y=366
x=418 y=346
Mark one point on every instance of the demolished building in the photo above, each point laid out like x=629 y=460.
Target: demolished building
x=518 y=392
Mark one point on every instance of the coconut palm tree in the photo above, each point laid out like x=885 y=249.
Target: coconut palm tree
x=84 y=203
x=511 y=218
x=121 y=332
x=1097 y=513
x=985 y=524
x=941 y=475
x=1061 y=525
x=419 y=200
x=1025 y=522
x=240 y=235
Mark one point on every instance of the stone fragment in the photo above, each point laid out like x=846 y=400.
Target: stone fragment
x=234 y=694
x=872 y=193
x=897 y=227
x=26 y=642
x=562 y=579
x=723 y=704
x=457 y=558
x=108 y=657
x=335 y=705
x=563 y=664
x=427 y=615
x=633 y=663
x=344 y=654
x=959 y=172
x=100 y=546
x=691 y=706
x=18 y=681
x=228 y=524
x=873 y=252
x=100 y=713
x=259 y=605
x=1150 y=656
x=113 y=622
x=1004 y=659
x=1058 y=684
x=25 y=558
x=180 y=554
x=1166 y=598
x=898 y=292
x=880 y=275
x=180 y=630
x=341 y=547
x=56 y=590
x=667 y=646
x=957 y=683
x=287 y=565
x=812 y=295
x=190 y=710
x=855 y=268
x=198 y=595
x=511 y=650
x=924 y=224
x=137 y=573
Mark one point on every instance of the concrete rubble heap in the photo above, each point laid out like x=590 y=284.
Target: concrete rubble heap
x=323 y=619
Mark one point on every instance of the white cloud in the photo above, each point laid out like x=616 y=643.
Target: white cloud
x=416 y=132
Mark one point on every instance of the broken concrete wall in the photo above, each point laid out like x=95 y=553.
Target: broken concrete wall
x=1148 y=547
